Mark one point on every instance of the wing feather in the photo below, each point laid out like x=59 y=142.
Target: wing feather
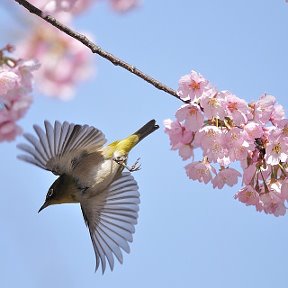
x=60 y=145
x=63 y=134
x=33 y=154
x=50 y=137
x=100 y=252
x=37 y=146
x=43 y=141
x=111 y=217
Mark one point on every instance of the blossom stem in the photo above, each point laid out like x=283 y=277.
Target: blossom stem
x=98 y=50
x=264 y=183
x=282 y=169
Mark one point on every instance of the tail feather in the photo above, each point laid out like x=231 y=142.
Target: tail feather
x=147 y=129
x=123 y=147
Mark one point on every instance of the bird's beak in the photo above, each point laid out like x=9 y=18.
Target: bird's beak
x=43 y=206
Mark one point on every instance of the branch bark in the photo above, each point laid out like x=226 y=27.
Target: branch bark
x=97 y=49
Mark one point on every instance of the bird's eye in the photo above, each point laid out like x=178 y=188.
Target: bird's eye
x=50 y=192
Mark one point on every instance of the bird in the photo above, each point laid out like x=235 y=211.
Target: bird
x=93 y=175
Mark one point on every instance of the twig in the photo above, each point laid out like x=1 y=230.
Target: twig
x=98 y=50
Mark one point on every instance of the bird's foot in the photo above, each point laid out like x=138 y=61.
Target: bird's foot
x=135 y=167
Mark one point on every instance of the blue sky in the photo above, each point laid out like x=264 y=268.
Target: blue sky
x=188 y=234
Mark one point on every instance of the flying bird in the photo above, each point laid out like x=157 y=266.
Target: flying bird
x=91 y=174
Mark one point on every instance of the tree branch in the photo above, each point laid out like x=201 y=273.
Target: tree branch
x=98 y=50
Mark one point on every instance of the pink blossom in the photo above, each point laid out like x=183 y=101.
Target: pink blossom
x=180 y=138
x=234 y=137
x=64 y=61
x=9 y=130
x=8 y=80
x=206 y=136
x=213 y=104
x=276 y=151
x=248 y=195
x=237 y=147
x=178 y=134
x=282 y=129
x=186 y=151
x=268 y=201
x=216 y=152
x=227 y=176
x=249 y=174
x=277 y=115
x=263 y=108
x=15 y=86
x=124 y=5
x=58 y=6
x=237 y=109
x=238 y=154
x=224 y=161
x=284 y=190
x=200 y=170
x=272 y=202
x=191 y=115
x=283 y=124
x=252 y=131
x=192 y=86
x=276 y=208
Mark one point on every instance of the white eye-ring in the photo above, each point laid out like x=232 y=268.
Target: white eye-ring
x=50 y=192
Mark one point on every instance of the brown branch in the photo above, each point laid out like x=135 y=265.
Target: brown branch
x=98 y=50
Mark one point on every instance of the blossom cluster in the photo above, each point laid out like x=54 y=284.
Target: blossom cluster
x=65 y=62
x=15 y=87
x=229 y=130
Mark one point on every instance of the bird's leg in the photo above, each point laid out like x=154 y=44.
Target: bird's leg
x=136 y=166
x=122 y=161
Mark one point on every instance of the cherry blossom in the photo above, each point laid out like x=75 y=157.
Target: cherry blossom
x=248 y=195
x=284 y=190
x=58 y=6
x=200 y=170
x=263 y=108
x=237 y=109
x=228 y=129
x=272 y=202
x=214 y=104
x=124 y=5
x=276 y=151
x=180 y=138
x=64 y=61
x=186 y=151
x=191 y=115
x=278 y=114
x=227 y=176
x=192 y=86
x=178 y=133
x=15 y=88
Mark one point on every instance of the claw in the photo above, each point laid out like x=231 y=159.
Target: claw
x=135 y=167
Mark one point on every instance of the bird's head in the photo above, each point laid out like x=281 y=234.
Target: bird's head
x=63 y=190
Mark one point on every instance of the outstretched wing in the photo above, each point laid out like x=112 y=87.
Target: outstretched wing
x=111 y=216
x=61 y=146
